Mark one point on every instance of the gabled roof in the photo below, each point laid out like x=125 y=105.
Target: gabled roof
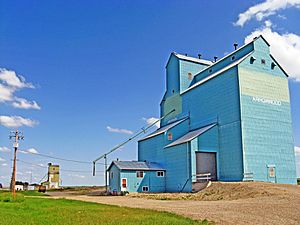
x=163 y=129
x=192 y=59
x=190 y=135
x=136 y=165
x=233 y=64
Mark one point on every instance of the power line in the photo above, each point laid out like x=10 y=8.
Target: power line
x=62 y=159
x=66 y=170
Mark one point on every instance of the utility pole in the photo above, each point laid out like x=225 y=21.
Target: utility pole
x=105 y=169
x=16 y=135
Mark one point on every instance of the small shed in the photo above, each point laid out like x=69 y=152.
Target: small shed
x=135 y=176
x=21 y=186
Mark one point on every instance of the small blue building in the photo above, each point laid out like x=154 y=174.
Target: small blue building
x=232 y=122
x=133 y=176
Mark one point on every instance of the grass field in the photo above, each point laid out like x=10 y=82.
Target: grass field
x=33 y=210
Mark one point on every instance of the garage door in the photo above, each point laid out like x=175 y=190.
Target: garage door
x=206 y=163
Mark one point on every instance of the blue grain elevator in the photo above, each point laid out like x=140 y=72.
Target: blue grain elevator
x=232 y=122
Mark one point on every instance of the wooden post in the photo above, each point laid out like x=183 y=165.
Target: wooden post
x=13 y=185
x=105 y=169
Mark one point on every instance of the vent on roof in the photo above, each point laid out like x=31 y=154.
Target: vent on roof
x=233 y=58
x=210 y=71
x=235 y=46
x=216 y=57
x=199 y=56
x=252 y=59
x=273 y=65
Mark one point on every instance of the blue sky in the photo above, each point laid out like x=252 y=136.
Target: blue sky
x=90 y=65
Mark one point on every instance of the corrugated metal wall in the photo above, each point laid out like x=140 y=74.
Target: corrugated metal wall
x=266 y=118
x=219 y=98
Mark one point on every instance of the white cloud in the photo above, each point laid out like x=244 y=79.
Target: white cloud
x=32 y=150
x=76 y=175
x=265 y=9
x=284 y=47
x=23 y=103
x=10 y=82
x=4 y=149
x=23 y=152
x=281 y=16
x=4 y=164
x=2 y=160
x=297 y=150
x=6 y=93
x=10 y=78
x=16 y=121
x=151 y=120
x=268 y=23
x=118 y=130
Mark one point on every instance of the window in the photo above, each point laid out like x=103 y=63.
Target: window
x=139 y=174
x=160 y=173
x=111 y=175
x=145 y=188
x=263 y=61
x=190 y=76
x=210 y=71
x=170 y=136
x=233 y=58
x=124 y=182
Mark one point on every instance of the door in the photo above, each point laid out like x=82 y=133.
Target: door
x=124 y=184
x=206 y=163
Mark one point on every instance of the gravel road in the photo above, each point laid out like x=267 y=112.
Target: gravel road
x=283 y=208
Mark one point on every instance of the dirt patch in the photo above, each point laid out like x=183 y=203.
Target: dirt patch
x=221 y=191
x=249 y=205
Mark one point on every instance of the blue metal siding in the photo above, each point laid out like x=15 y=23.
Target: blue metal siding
x=172 y=80
x=266 y=118
x=230 y=154
x=185 y=68
x=114 y=183
x=225 y=62
x=178 y=167
x=209 y=141
x=152 y=149
x=218 y=99
x=177 y=132
x=135 y=184
x=171 y=96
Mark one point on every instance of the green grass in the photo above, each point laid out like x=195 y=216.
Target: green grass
x=60 y=211
x=7 y=197
x=33 y=193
